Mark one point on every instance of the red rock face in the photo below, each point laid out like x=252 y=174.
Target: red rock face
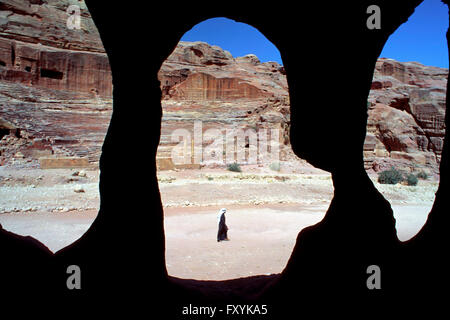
x=407 y=102
x=406 y=115
x=55 y=83
x=201 y=87
x=55 y=93
x=48 y=67
x=204 y=83
x=198 y=71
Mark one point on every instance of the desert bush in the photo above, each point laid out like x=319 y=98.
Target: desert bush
x=422 y=175
x=391 y=176
x=281 y=178
x=235 y=167
x=411 y=179
x=275 y=166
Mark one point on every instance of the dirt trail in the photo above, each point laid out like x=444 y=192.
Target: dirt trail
x=261 y=237
x=266 y=211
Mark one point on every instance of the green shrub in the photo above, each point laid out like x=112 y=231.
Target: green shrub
x=235 y=167
x=422 y=175
x=411 y=179
x=391 y=176
x=275 y=166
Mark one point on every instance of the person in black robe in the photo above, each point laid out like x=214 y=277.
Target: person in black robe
x=223 y=229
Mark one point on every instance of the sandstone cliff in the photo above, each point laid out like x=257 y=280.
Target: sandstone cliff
x=406 y=116
x=55 y=82
x=406 y=105
x=200 y=82
x=56 y=88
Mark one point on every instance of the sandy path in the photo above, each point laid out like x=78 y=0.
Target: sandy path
x=261 y=240
x=55 y=230
x=261 y=237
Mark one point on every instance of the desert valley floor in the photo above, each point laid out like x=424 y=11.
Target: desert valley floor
x=266 y=210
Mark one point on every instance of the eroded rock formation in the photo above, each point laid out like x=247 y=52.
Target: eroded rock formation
x=406 y=111
x=327 y=268
x=205 y=83
x=55 y=83
x=56 y=86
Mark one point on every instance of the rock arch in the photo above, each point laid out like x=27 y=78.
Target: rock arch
x=331 y=258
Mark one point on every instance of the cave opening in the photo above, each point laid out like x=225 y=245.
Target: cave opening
x=224 y=144
x=406 y=110
x=4 y=132
x=87 y=251
x=52 y=74
x=53 y=155
x=7 y=128
x=13 y=56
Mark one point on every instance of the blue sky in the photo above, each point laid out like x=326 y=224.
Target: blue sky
x=421 y=38
x=238 y=38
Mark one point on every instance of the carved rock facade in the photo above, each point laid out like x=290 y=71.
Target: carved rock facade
x=55 y=83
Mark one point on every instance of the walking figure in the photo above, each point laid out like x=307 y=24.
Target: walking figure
x=223 y=229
